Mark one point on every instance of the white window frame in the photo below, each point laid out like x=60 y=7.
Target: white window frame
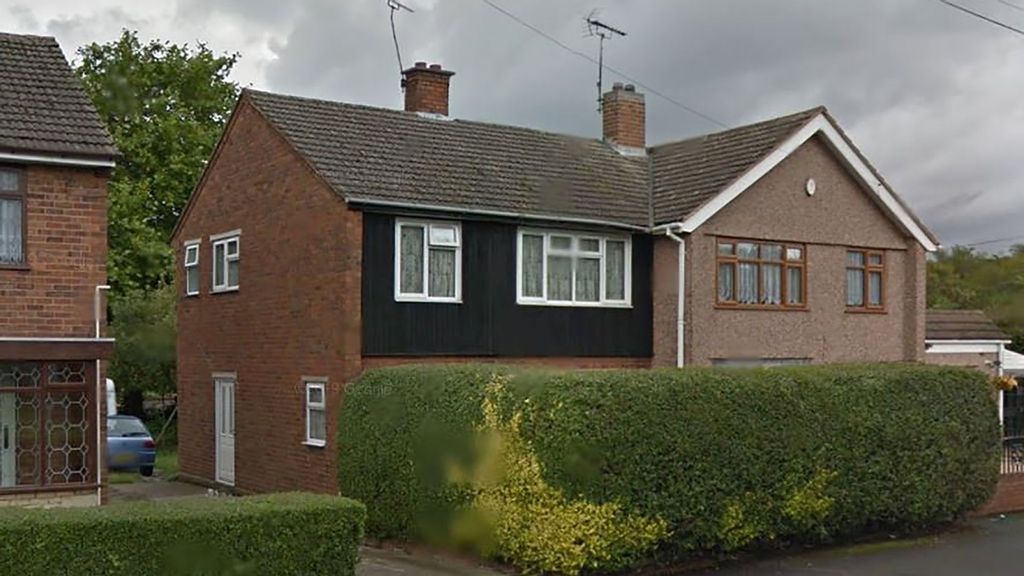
x=192 y=247
x=225 y=240
x=426 y=225
x=574 y=252
x=312 y=384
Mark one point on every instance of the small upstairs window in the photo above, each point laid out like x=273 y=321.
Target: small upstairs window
x=12 y=217
x=226 y=255
x=316 y=413
x=559 y=268
x=428 y=261
x=192 y=268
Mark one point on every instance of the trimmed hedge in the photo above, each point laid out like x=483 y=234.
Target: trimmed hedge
x=281 y=534
x=728 y=459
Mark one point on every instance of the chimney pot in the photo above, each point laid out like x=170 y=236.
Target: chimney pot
x=623 y=117
x=426 y=88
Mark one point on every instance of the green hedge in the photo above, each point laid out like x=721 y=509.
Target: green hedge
x=268 y=535
x=728 y=459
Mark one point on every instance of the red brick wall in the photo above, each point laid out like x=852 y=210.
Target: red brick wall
x=67 y=255
x=296 y=312
x=1009 y=496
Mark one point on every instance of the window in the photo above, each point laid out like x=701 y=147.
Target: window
x=865 y=280
x=762 y=275
x=572 y=269
x=428 y=261
x=12 y=217
x=316 y=413
x=225 y=262
x=192 y=268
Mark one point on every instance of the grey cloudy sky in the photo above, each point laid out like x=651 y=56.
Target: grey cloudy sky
x=934 y=97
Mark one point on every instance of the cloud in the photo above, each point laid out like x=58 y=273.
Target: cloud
x=930 y=95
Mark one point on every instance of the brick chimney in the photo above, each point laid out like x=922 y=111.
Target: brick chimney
x=624 y=117
x=426 y=88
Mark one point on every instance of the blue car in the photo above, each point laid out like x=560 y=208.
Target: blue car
x=129 y=445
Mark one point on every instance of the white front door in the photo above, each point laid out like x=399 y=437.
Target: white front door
x=224 y=388
x=8 y=439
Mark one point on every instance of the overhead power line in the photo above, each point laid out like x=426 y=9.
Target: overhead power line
x=593 y=60
x=981 y=16
x=993 y=241
x=1011 y=5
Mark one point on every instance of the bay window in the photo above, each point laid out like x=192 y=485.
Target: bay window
x=573 y=269
x=428 y=261
x=761 y=275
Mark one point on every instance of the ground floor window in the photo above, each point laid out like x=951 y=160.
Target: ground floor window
x=47 y=434
x=316 y=412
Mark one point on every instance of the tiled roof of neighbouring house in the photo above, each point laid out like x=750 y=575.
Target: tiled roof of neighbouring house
x=395 y=156
x=43 y=108
x=961 y=325
x=691 y=172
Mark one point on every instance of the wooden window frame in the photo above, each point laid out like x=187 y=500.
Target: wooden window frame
x=575 y=253
x=785 y=263
x=868 y=269
x=21 y=195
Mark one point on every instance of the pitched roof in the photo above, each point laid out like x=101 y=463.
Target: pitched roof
x=390 y=156
x=961 y=325
x=43 y=108
x=691 y=172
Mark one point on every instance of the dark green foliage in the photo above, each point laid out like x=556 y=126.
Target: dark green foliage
x=731 y=459
x=144 y=355
x=284 y=534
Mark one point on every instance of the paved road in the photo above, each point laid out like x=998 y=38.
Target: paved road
x=983 y=547
x=377 y=562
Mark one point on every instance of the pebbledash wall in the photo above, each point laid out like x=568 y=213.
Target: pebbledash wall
x=51 y=296
x=837 y=217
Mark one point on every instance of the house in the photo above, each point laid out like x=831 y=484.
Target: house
x=55 y=160
x=326 y=238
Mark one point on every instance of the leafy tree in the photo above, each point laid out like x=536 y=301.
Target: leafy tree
x=144 y=326
x=960 y=278
x=165 y=106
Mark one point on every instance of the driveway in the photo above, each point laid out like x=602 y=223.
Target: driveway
x=152 y=489
x=389 y=562
x=982 y=547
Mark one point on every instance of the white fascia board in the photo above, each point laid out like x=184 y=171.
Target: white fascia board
x=963 y=346
x=55 y=339
x=820 y=124
x=58 y=160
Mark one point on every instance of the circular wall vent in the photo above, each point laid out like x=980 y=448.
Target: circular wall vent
x=811 y=187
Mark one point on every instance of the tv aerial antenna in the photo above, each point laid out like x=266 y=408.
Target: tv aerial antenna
x=395 y=7
x=604 y=32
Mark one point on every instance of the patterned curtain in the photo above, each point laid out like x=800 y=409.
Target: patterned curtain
x=588 y=280
x=559 y=278
x=533 y=266
x=10 y=232
x=854 y=287
x=771 y=292
x=442 y=272
x=615 y=270
x=411 y=260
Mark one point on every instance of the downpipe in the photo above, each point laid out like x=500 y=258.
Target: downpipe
x=100 y=398
x=680 y=299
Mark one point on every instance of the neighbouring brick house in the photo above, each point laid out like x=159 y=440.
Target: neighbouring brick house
x=55 y=161
x=328 y=238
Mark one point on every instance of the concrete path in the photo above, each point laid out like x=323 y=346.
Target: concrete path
x=982 y=547
x=153 y=489
x=388 y=562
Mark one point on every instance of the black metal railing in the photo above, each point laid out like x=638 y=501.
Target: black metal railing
x=1013 y=455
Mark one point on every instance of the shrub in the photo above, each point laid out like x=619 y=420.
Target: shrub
x=269 y=535
x=724 y=459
